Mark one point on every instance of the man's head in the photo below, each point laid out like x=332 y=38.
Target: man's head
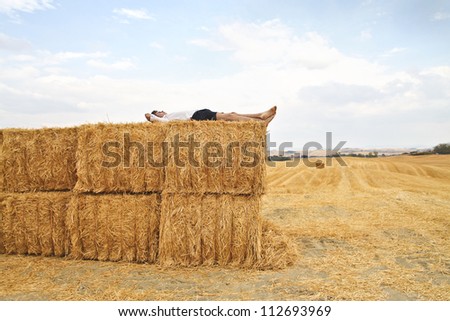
x=159 y=113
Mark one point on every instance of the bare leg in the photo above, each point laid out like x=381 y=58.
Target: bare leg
x=256 y=116
x=235 y=117
x=260 y=116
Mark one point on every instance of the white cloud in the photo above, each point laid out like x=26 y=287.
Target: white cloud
x=393 y=52
x=156 y=45
x=438 y=16
x=365 y=35
x=317 y=87
x=136 y=14
x=13 y=44
x=123 y=64
x=208 y=44
x=11 y=6
x=69 y=55
x=441 y=71
x=273 y=43
x=46 y=58
x=180 y=58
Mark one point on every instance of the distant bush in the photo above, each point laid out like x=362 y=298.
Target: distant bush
x=442 y=149
x=428 y=152
x=279 y=158
x=370 y=155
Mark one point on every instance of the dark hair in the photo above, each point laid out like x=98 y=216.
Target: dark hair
x=154 y=112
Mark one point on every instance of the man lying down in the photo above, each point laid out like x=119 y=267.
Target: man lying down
x=206 y=114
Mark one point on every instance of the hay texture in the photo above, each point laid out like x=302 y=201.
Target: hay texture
x=177 y=157
x=210 y=230
x=34 y=223
x=278 y=250
x=319 y=164
x=181 y=194
x=120 y=158
x=2 y=209
x=39 y=160
x=2 y=170
x=114 y=227
x=216 y=157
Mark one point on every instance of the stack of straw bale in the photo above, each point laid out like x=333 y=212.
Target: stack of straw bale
x=126 y=192
x=115 y=212
x=210 y=206
x=210 y=214
x=37 y=172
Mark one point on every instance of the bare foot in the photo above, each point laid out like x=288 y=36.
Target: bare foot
x=148 y=116
x=268 y=113
x=268 y=120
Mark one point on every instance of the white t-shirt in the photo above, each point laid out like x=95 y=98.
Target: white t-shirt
x=180 y=115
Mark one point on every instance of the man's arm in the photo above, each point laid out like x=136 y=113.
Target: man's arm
x=154 y=118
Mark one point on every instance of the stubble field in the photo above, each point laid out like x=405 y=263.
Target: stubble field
x=377 y=229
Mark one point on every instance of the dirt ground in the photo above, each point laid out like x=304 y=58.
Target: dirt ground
x=377 y=229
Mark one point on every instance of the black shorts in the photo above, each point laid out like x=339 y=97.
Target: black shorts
x=204 y=114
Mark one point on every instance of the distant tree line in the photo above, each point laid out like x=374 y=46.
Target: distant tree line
x=442 y=149
x=369 y=155
x=439 y=149
x=276 y=158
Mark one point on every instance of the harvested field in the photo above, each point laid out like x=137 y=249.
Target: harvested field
x=374 y=230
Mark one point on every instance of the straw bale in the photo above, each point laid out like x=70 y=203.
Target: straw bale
x=201 y=229
x=59 y=205
x=2 y=174
x=2 y=210
x=28 y=219
x=246 y=227
x=224 y=229
x=73 y=244
x=114 y=227
x=209 y=229
x=120 y=158
x=7 y=225
x=43 y=220
x=39 y=160
x=30 y=212
x=222 y=157
x=147 y=227
x=278 y=250
x=88 y=226
x=244 y=172
x=103 y=228
x=17 y=207
x=195 y=165
x=173 y=246
x=319 y=164
x=116 y=224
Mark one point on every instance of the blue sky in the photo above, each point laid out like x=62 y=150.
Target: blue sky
x=375 y=73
